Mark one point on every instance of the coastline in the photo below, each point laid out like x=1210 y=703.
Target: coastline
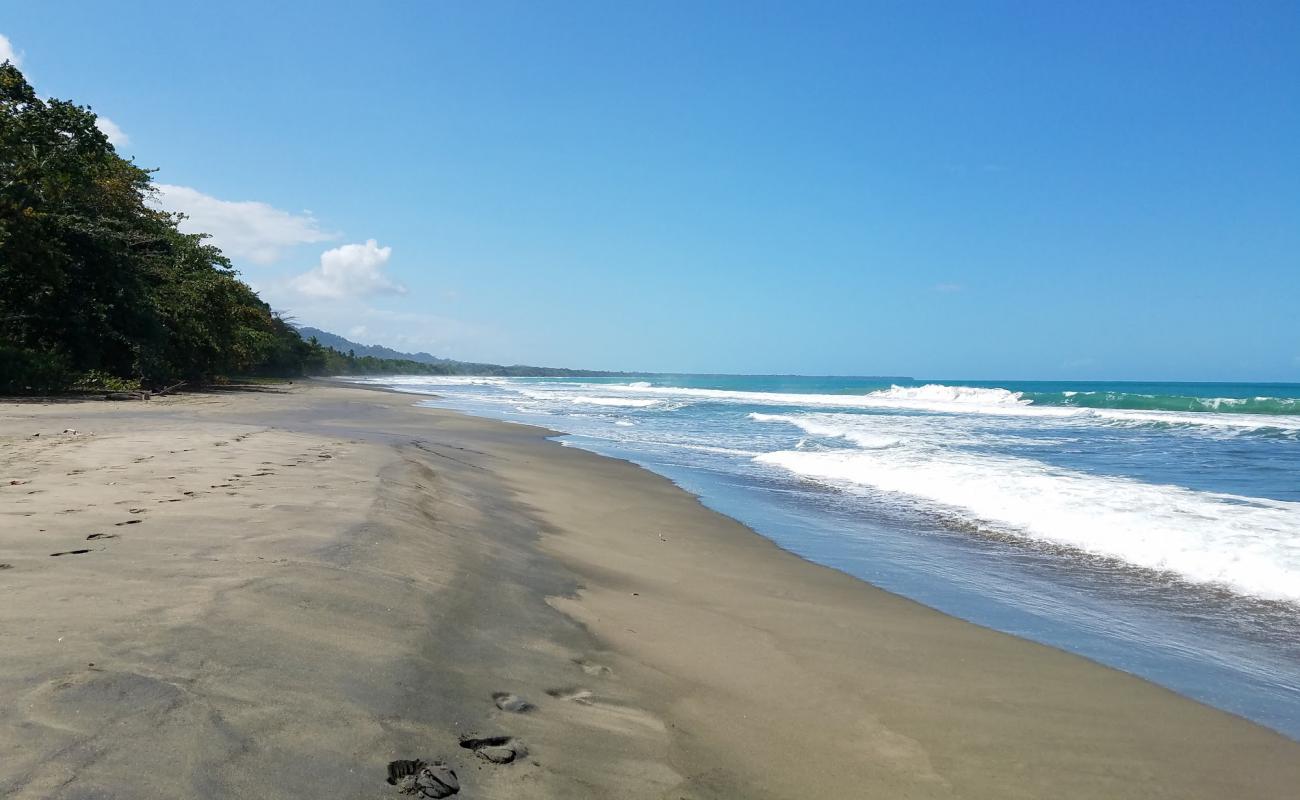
x=352 y=578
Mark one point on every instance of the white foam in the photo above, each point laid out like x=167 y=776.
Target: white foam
x=937 y=398
x=1207 y=418
x=951 y=395
x=931 y=398
x=616 y=402
x=1248 y=544
x=817 y=427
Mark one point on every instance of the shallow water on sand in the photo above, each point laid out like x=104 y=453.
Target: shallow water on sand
x=1152 y=527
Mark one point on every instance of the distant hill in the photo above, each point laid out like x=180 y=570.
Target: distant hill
x=374 y=350
x=375 y=359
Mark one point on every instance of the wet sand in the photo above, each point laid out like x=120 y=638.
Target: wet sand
x=276 y=593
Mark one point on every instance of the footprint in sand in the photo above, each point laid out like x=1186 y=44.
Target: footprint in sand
x=591 y=667
x=69 y=553
x=101 y=536
x=434 y=779
x=497 y=749
x=573 y=694
x=512 y=703
x=605 y=713
x=128 y=522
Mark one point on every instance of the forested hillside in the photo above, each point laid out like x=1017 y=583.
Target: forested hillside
x=98 y=289
x=353 y=358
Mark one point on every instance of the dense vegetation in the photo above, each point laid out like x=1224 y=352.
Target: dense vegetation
x=100 y=290
x=98 y=287
x=334 y=362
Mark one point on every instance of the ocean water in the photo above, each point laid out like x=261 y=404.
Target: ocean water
x=1151 y=527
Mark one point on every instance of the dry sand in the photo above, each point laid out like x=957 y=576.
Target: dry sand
x=283 y=591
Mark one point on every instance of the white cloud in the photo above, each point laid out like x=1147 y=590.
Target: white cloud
x=8 y=53
x=353 y=270
x=243 y=229
x=116 y=136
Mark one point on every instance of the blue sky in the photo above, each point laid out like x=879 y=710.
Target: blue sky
x=982 y=190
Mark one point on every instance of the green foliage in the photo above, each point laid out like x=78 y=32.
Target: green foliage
x=24 y=371
x=94 y=281
x=99 y=291
x=99 y=381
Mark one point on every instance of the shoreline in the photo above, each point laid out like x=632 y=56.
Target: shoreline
x=1025 y=587
x=277 y=637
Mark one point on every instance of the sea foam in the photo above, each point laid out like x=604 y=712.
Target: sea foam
x=1250 y=545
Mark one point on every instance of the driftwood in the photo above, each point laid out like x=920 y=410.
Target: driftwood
x=143 y=394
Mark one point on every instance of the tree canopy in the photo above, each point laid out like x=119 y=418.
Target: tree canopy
x=95 y=282
x=100 y=289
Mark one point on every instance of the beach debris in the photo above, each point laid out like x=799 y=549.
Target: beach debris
x=512 y=703
x=497 y=749
x=72 y=431
x=423 y=779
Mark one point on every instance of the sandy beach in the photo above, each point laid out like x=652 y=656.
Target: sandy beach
x=276 y=593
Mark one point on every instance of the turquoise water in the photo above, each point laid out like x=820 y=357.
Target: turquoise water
x=1153 y=527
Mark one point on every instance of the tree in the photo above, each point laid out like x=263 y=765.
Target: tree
x=94 y=279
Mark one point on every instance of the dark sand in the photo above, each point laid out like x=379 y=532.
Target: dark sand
x=293 y=589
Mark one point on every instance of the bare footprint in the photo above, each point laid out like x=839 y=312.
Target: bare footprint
x=591 y=667
x=422 y=779
x=68 y=553
x=101 y=536
x=128 y=522
x=573 y=694
x=512 y=703
x=605 y=713
x=497 y=749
